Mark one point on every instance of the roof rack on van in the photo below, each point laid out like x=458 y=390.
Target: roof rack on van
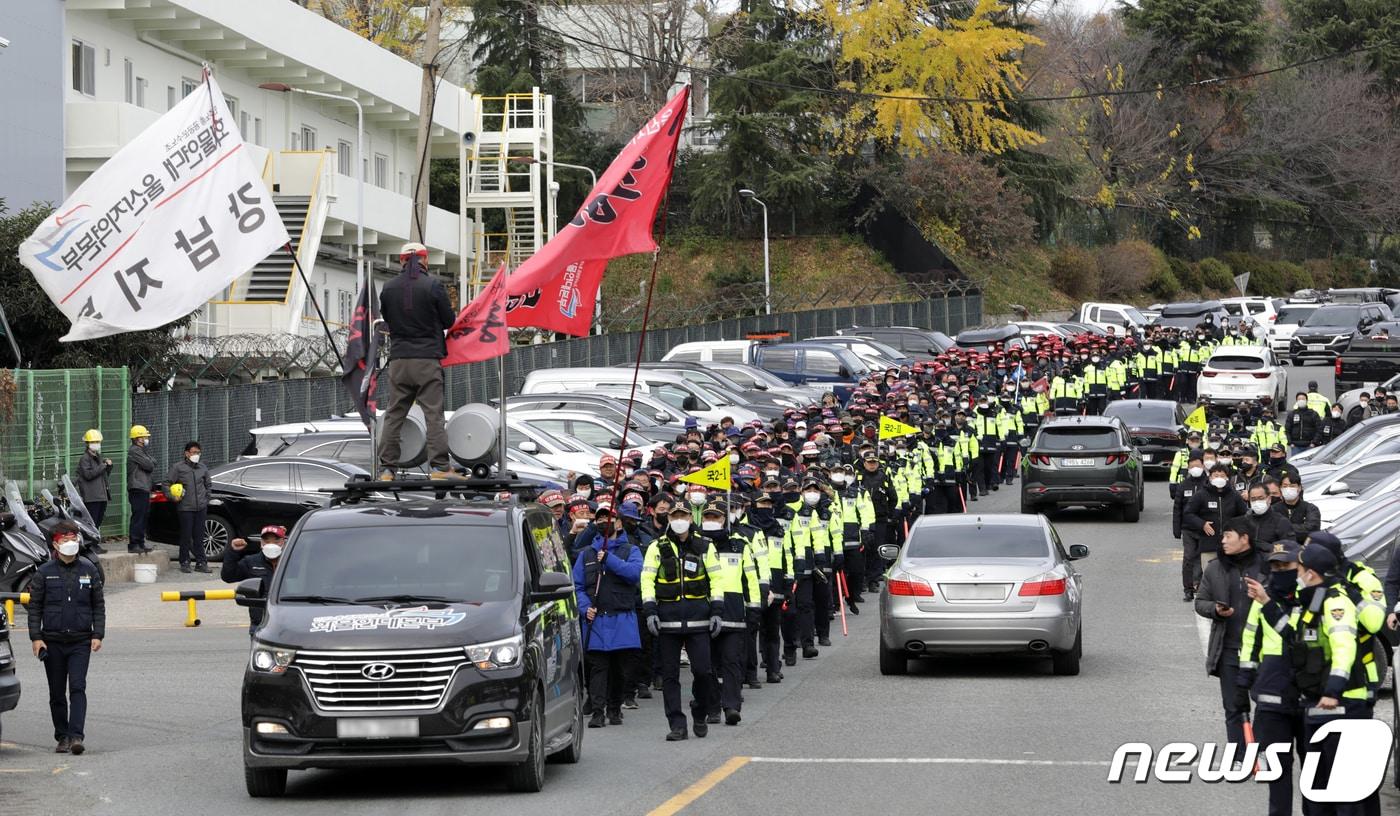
x=768 y=336
x=362 y=486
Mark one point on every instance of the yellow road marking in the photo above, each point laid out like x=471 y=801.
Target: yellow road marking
x=701 y=787
x=17 y=770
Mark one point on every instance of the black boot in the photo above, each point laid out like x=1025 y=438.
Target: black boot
x=774 y=678
x=809 y=652
x=820 y=642
x=852 y=608
x=790 y=656
x=597 y=720
x=614 y=718
x=676 y=735
x=701 y=729
x=731 y=716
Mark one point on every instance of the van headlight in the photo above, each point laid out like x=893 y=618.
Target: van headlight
x=271 y=659
x=498 y=654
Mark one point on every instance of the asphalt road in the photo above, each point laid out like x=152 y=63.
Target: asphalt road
x=978 y=736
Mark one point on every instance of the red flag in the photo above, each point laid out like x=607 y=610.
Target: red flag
x=480 y=331
x=361 y=361
x=556 y=288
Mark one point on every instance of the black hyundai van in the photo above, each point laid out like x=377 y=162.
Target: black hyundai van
x=441 y=630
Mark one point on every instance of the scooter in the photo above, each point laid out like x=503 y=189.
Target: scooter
x=23 y=545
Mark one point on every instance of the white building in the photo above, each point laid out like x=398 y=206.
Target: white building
x=125 y=62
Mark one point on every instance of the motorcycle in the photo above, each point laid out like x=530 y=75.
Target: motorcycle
x=23 y=545
x=69 y=507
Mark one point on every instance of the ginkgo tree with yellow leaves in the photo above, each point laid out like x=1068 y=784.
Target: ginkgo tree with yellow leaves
x=929 y=75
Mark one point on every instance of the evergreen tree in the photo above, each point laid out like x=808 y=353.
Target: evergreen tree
x=1198 y=39
x=1318 y=28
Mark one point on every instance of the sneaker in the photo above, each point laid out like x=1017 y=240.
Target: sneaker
x=820 y=642
x=630 y=703
x=76 y=747
x=858 y=599
x=677 y=735
x=731 y=716
x=852 y=608
x=701 y=729
x=809 y=652
x=185 y=568
x=774 y=678
x=754 y=684
x=1188 y=595
x=615 y=718
x=643 y=693
x=64 y=744
x=597 y=720
x=204 y=568
x=712 y=719
x=790 y=657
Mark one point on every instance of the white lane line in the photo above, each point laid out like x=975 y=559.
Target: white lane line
x=919 y=761
x=1203 y=632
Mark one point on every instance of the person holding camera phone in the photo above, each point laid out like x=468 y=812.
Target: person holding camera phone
x=1223 y=599
x=67 y=623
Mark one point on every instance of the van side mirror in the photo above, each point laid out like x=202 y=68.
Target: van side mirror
x=552 y=586
x=249 y=593
x=1078 y=551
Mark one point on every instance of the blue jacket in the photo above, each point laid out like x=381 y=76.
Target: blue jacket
x=615 y=627
x=66 y=604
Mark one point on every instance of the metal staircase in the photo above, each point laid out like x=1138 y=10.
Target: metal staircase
x=270 y=281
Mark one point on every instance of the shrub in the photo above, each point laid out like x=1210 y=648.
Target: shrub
x=1164 y=284
x=1126 y=267
x=1295 y=276
x=1216 y=275
x=1187 y=274
x=1074 y=272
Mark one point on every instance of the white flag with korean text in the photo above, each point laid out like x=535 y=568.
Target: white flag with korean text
x=163 y=226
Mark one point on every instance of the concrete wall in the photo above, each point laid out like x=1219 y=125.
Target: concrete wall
x=31 y=94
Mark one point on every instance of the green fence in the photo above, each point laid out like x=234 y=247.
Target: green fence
x=43 y=415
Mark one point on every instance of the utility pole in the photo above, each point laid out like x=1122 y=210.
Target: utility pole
x=425 y=119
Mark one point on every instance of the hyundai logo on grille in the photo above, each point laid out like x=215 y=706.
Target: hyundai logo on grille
x=378 y=671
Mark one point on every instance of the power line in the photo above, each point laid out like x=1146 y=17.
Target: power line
x=973 y=100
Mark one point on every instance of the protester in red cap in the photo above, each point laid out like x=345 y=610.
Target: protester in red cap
x=242 y=563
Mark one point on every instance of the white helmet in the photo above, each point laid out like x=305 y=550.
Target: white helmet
x=413 y=248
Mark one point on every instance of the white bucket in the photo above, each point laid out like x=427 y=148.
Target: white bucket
x=145 y=573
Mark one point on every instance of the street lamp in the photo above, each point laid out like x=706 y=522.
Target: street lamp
x=532 y=160
x=767 y=281
x=281 y=87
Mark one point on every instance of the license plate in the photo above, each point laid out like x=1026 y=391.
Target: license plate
x=1316 y=346
x=1147 y=457
x=1077 y=462
x=974 y=592
x=376 y=728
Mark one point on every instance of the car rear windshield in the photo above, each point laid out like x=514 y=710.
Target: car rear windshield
x=1161 y=416
x=1334 y=316
x=1185 y=310
x=453 y=562
x=979 y=541
x=1091 y=438
x=1235 y=362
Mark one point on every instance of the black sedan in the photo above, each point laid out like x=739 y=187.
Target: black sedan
x=252 y=493
x=1154 y=427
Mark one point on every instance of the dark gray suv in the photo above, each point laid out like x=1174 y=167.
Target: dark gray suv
x=1082 y=460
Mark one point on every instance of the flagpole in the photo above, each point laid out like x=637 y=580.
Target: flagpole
x=312 y=295
x=501 y=432
x=370 y=346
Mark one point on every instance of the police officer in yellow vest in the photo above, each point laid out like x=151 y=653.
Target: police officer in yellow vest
x=965 y=439
x=1010 y=429
x=1319 y=404
x=739 y=583
x=857 y=522
x=683 y=602
x=1096 y=383
x=1064 y=392
x=763 y=516
x=946 y=494
x=808 y=537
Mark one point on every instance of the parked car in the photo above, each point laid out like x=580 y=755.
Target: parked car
x=667 y=386
x=435 y=632
x=875 y=354
x=575 y=429
x=264 y=440
x=353 y=447
x=1257 y=312
x=1350 y=401
x=1289 y=317
x=1328 y=330
x=1035 y=328
x=983 y=340
x=1367 y=294
x=1190 y=314
x=249 y=494
x=914 y=342
x=756 y=399
x=1373 y=357
x=1241 y=375
x=1088 y=461
x=830 y=367
x=1154 y=427
x=1341 y=497
x=713 y=351
x=1365 y=427
x=997 y=583
x=645 y=412
x=1073 y=329
x=1384 y=439
x=1121 y=316
x=751 y=376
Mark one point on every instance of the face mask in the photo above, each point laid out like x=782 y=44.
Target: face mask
x=1336 y=414
x=1364 y=403
x=143 y=441
x=272 y=551
x=660 y=519
x=94 y=447
x=772 y=474
x=583 y=492
x=1219 y=482
x=733 y=458
x=1196 y=472
x=1248 y=466
x=698 y=498
x=680 y=526
x=1283 y=582
x=1289 y=493
x=1208 y=463
x=734 y=517
x=194 y=458
x=1300 y=404
x=1259 y=506
x=811 y=498
x=711 y=526
x=679 y=490
x=68 y=549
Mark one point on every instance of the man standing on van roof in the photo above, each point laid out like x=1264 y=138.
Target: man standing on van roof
x=416 y=309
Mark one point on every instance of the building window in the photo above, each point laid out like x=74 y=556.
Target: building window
x=243 y=125
x=258 y=131
x=308 y=138
x=84 y=68
x=403 y=183
x=128 y=82
x=232 y=106
x=381 y=170
x=344 y=161
x=141 y=85
x=344 y=306
x=187 y=86
x=170 y=97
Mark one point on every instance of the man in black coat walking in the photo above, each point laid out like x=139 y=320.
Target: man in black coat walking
x=1300 y=426
x=1224 y=601
x=1206 y=514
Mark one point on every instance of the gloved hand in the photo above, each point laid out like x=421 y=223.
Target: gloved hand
x=1241 y=698
x=838 y=561
x=774 y=597
x=653 y=625
x=751 y=618
x=716 y=625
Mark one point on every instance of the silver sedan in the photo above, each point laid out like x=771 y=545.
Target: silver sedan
x=988 y=584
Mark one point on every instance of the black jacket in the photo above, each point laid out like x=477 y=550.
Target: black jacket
x=882 y=492
x=417 y=312
x=1300 y=426
x=240 y=566
x=1223 y=582
x=1214 y=506
x=1303 y=516
x=1184 y=491
x=1268 y=528
x=1328 y=429
x=66 y=603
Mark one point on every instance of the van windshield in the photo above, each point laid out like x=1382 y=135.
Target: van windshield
x=1334 y=316
x=447 y=563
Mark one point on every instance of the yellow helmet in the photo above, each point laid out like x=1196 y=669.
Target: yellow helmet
x=92 y=435
x=139 y=432
x=177 y=491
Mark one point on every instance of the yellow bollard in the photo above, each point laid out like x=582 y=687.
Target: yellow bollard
x=10 y=613
x=190 y=619
x=190 y=597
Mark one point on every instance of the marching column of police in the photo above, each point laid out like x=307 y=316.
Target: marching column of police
x=736 y=583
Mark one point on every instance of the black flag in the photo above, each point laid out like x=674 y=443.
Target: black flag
x=361 y=363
